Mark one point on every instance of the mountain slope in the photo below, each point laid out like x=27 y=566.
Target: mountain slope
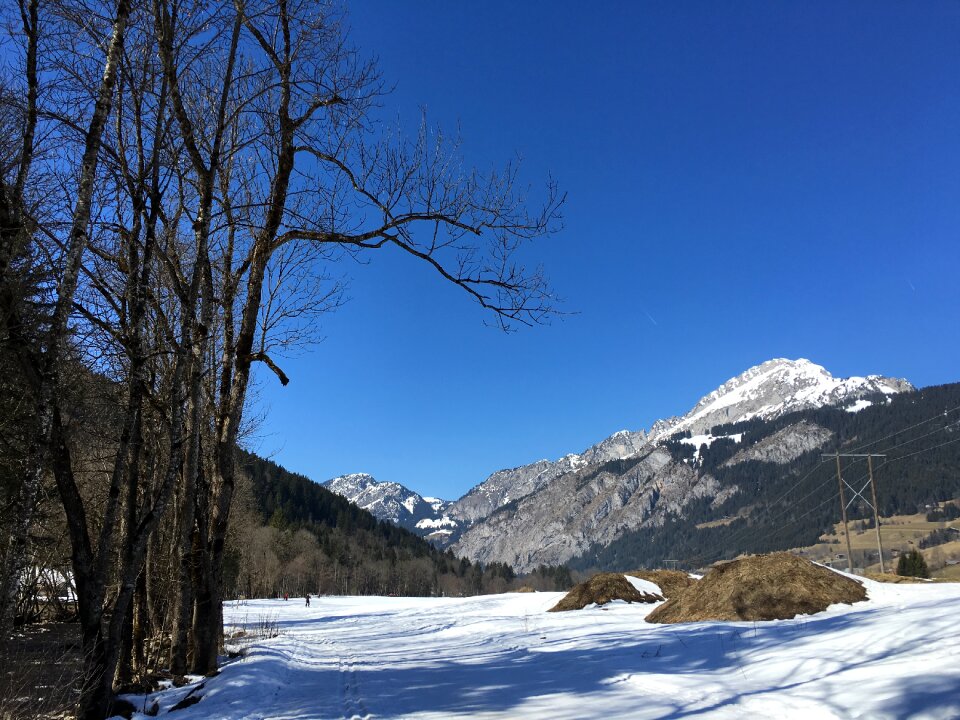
x=563 y=513
x=592 y=505
x=505 y=486
x=768 y=390
x=779 y=492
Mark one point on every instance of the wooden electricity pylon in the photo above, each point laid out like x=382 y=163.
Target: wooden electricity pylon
x=858 y=494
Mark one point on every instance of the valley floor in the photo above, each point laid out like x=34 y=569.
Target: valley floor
x=503 y=656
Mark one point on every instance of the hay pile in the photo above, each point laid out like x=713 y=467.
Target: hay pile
x=760 y=587
x=601 y=589
x=671 y=582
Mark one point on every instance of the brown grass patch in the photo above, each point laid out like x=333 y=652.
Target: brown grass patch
x=671 y=582
x=601 y=589
x=525 y=589
x=895 y=579
x=778 y=586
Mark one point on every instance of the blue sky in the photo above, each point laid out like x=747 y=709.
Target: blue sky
x=746 y=180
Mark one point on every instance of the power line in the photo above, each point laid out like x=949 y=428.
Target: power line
x=918 y=452
x=786 y=511
x=768 y=508
x=919 y=437
x=906 y=429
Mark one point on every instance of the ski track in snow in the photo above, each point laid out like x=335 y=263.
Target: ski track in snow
x=503 y=656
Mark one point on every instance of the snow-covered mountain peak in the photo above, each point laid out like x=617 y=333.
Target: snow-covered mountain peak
x=387 y=500
x=354 y=483
x=774 y=388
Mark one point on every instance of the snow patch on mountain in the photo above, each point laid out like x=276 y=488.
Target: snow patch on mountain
x=698 y=441
x=436 y=523
x=858 y=406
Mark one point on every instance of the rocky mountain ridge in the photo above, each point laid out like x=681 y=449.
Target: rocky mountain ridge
x=393 y=502
x=505 y=486
x=772 y=389
x=548 y=511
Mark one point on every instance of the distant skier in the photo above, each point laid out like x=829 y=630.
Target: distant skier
x=308 y=599
x=287 y=597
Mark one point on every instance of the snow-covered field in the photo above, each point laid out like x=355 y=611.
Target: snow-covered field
x=503 y=656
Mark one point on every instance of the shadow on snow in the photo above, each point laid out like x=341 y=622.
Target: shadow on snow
x=727 y=657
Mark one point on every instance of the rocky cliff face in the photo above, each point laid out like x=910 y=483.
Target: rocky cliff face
x=597 y=503
x=785 y=445
x=505 y=486
x=593 y=504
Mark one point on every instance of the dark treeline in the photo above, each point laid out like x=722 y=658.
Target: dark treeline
x=292 y=536
x=179 y=180
x=781 y=506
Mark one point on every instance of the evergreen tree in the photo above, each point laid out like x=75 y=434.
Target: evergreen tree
x=912 y=564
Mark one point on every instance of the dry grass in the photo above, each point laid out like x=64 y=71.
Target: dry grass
x=601 y=589
x=950 y=573
x=525 y=589
x=897 y=532
x=893 y=579
x=760 y=587
x=671 y=582
x=716 y=523
x=39 y=667
x=894 y=532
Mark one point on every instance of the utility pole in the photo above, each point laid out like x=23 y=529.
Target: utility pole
x=858 y=494
x=843 y=511
x=876 y=512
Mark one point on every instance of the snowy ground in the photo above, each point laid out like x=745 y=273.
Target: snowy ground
x=504 y=656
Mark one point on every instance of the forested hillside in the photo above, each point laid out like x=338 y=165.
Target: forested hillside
x=775 y=506
x=292 y=535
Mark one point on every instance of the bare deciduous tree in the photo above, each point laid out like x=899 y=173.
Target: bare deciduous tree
x=220 y=159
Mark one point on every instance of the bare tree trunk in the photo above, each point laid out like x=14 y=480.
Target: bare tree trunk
x=141 y=629
x=190 y=598
x=17 y=554
x=14 y=234
x=96 y=691
x=125 y=667
x=184 y=598
x=207 y=633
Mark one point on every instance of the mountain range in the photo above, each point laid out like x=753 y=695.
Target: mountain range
x=551 y=511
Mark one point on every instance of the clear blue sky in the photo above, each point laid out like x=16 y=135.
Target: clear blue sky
x=746 y=180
